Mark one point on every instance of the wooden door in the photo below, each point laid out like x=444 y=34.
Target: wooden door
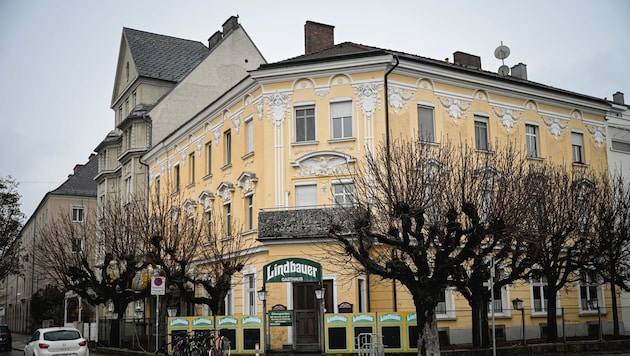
x=306 y=310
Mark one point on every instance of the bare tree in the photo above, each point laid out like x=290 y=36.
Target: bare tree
x=11 y=219
x=559 y=219
x=196 y=246
x=103 y=259
x=486 y=190
x=612 y=243
x=431 y=218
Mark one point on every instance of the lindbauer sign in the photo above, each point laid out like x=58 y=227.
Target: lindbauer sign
x=293 y=270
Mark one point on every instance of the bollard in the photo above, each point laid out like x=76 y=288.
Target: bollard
x=257 y=346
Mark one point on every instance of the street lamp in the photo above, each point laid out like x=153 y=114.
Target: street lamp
x=262 y=295
x=592 y=303
x=172 y=311
x=518 y=305
x=320 y=294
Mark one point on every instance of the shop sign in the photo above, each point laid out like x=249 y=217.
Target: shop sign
x=281 y=318
x=178 y=322
x=292 y=270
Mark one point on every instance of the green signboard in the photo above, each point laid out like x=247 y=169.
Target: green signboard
x=292 y=270
x=281 y=318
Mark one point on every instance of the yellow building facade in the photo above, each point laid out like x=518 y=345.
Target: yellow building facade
x=268 y=153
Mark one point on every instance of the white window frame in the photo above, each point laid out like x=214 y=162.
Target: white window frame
x=577 y=147
x=307 y=118
x=227 y=147
x=227 y=215
x=619 y=139
x=482 y=143
x=78 y=214
x=421 y=123
x=345 y=191
x=531 y=138
x=209 y=158
x=249 y=294
x=446 y=311
x=191 y=168
x=341 y=112
x=301 y=185
x=79 y=242
x=176 y=178
x=590 y=287
x=249 y=133
x=249 y=211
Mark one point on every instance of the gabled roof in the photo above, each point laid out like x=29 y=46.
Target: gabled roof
x=351 y=50
x=163 y=57
x=81 y=183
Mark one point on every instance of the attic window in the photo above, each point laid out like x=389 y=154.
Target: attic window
x=127 y=71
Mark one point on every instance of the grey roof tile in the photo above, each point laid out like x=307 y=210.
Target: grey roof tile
x=81 y=183
x=163 y=57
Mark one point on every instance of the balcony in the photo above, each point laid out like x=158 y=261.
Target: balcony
x=310 y=222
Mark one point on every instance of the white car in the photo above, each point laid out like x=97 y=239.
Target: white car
x=57 y=341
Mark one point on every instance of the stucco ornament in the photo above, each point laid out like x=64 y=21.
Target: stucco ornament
x=597 y=134
x=321 y=93
x=199 y=147
x=225 y=191
x=260 y=110
x=369 y=100
x=183 y=157
x=322 y=166
x=398 y=99
x=555 y=125
x=206 y=198
x=279 y=104
x=508 y=117
x=217 y=135
x=455 y=107
x=236 y=123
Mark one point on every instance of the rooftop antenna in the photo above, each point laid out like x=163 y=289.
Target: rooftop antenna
x=502 y=52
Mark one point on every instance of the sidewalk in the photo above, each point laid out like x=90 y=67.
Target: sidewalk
x=18 y=341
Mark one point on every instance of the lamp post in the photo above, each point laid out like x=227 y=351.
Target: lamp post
x=320 y=294
x=262 y=295
x=593 y=304
x=518 y=305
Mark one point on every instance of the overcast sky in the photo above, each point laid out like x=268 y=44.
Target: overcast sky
x=58 y=58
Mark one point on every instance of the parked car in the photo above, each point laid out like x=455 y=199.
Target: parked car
x=56 y=341
x=5 y=338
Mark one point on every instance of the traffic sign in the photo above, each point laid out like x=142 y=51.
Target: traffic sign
x=158 y=285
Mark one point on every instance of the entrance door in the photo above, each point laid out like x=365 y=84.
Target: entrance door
x=306 y=310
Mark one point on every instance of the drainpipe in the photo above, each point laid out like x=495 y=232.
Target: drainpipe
x=393 y=64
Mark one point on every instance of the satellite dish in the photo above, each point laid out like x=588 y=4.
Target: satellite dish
x=502 y=52
x=504 y=70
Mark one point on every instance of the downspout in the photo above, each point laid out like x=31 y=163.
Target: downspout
x=394 y=63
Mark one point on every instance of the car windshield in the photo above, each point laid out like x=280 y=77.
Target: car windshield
x=62 y=335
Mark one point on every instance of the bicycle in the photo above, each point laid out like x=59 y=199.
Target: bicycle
x=183 y=345
x=220 y=346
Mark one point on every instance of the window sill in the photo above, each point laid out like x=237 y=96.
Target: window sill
x=249 y=232
x=304 y=143
x=248 y=155
x=342 y=139
x=429 y=143
x=580 y=164
x=190 y=185
x=207 y=176
x=490 y=152
x=226 y=167
x=536 y=158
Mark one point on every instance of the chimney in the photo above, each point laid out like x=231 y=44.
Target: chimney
x=214 y=39
x=618 y=98
x=77 y=168
x=230 y=24
x=318 y=37
x=519 y=71
x=467 y=60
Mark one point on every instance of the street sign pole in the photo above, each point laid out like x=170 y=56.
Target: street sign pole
x=157 y=288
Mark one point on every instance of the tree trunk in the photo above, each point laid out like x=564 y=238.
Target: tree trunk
x=613 y=294
x=114 y=330
x=552 y=323
x=428 y=335
x=480 y=328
